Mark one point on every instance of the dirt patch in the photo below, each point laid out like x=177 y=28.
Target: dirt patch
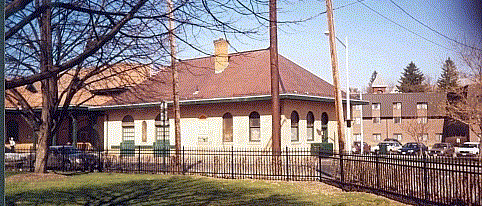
x=35 y=177
x=318 y=187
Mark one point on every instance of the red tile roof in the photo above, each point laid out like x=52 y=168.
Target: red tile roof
x=248 y=74
x=115 y=77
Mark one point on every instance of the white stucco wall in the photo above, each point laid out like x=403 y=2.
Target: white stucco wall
x=192 y=125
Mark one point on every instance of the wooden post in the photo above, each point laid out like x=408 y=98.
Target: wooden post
x=275 y=100
x=175 y=86
x=336 y=79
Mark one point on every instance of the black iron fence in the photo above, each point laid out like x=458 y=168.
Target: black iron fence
x=417 y=179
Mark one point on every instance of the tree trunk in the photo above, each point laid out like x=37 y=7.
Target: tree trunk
x=49 y=90
x=175 y=87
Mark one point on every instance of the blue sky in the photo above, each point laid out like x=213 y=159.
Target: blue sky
x=374 y=42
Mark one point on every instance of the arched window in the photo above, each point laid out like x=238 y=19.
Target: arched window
x=324 y=127
x=162 y=127
x=227 y=127
x=128 y=128
x=295 y=118
x=144 y=131
x=254 y=127
x=203 y=132
x=310 y=129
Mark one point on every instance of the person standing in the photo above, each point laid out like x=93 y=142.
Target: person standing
x=12 y=144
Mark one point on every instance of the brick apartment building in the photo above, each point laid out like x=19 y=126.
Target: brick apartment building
x=408 y=117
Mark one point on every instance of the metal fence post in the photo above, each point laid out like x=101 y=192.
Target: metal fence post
x=287 y=164
x=32 y=158
x=100 y=162
x=319 y=162
x=182 y=157
x=377 y=166
x=342 y=178
x=139 y=160
x=232 y=162
x=425 y=176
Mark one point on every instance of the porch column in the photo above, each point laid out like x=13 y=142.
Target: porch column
x=74 y=131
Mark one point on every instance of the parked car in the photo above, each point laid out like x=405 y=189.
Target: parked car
x=357 y=147
x=392 y=140
x=392 y=147
x=412 y=148
x=70 y=158
x=442 y=149
x=468 y=149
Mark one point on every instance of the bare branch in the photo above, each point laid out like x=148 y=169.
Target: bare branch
x=15 y=6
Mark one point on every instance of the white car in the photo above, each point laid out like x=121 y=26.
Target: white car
x=392 y=147
x=16 y=160
x=468 y=149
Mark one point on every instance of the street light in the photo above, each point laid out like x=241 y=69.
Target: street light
x=348 y=116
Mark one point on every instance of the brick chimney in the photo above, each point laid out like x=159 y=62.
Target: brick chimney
x=221 y=60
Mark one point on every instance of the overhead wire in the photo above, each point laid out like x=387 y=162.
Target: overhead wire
x=401 y=26
x=430 y=28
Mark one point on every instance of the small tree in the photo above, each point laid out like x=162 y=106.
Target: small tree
x=412 y=80
x=448 y=80
x=417 y=127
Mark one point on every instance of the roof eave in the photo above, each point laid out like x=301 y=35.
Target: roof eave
x=228 y=100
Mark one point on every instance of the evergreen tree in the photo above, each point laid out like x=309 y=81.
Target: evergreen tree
x=448 y=79
x=412 y=80
x=374 y=76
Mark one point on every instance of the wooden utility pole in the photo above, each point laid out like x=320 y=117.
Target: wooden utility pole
x=275 y=100
x=336 y=79
x=175 y=84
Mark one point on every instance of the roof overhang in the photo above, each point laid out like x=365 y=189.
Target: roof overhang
x=39 y=109
x=228 y=100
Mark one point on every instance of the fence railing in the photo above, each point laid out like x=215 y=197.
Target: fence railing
x=419 y=179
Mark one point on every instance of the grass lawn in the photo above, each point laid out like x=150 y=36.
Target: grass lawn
x=12 y=173
x=151 y=189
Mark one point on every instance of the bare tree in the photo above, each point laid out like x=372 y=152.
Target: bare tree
x=78 y=45
x=465 y=103
x=417 y=128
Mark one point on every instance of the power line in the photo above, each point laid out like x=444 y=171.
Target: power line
x=336 y=8
x=428 y=27
x=388 y=19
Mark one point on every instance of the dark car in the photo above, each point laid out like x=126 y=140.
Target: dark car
x=70 y=158
x=442 y=149
x=412 y=148
x=357 y=147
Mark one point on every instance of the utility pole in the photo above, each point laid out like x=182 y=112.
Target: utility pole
x=275 y=100
x=361 y=124
x=175 y=84
x=348 y=105
x=336 y=82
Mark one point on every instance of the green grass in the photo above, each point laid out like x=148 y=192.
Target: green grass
x=11 y=173
x=149 y=189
